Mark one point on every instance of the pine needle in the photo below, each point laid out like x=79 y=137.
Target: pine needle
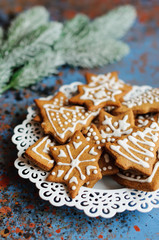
x=24 y=24
x=93 y=55
x=44 y=65
x=115 y=23
x=24 y=53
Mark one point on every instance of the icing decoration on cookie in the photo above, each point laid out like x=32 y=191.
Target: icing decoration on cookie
x=115 y=126
x=144 y=120
x=62 y=153
x=59 y=100
x=39 y=153
x=92 y=152
x=144 y=103
x=63 y=122
x=79 y=165
x=107 y=165
x=92 y=135
x=137 y=150
x=94 y=80
x=59 y=173
x=108 y=91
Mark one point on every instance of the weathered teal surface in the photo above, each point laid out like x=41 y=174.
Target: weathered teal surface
x=23 y=215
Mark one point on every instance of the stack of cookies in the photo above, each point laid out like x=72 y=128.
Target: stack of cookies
x=97 y=133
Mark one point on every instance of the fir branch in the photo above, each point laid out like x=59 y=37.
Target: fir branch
x=1 y=36
x=71 y=31
x=44 y=65
x=5 y=73
x=24 y=53
x=115 y=23
x=110 y=26
x=24 y=24
x=94 y=55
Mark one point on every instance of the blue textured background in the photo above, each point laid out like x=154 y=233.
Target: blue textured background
x=23 y=215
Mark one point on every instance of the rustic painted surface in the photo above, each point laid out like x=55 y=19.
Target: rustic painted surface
x=23 y=215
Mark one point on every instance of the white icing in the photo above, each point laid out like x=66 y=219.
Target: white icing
x=147 y=138
x=66 y=114
x=73 y=187
x=45 y=149
x=92 y=152
x=62 y=153
x=107 y=78
x=75 y=162
x=59 y=173
x=100 y=94
x=73 y=179
x=138 y=179
x=88 y=168
x=77 y=144
x=149 y=96
x=122 y=128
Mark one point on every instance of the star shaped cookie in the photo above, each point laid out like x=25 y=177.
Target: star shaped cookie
x=103 y=93
x=76 y=163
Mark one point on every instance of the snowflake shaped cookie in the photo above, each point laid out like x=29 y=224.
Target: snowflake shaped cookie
x=39 y=153
x=111 y=127
x=106 y=92
x=76 y=163
x=145 y=103
x=136 y=151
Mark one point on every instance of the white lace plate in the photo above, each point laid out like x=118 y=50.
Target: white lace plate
x=106 y=198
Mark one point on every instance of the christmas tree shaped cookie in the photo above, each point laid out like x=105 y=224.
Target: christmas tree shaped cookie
x=136 y=151
x=59 y=100
x=62 y=122
x=76 y=163
x=103 y=93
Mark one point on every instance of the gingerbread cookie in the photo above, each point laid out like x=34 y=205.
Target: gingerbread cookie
x=104 y=93
x=94 y=80
x=136 y=151
x=57 y=101
x=107 y=167
x=144 y=120
x=140 y=182
x=93 y=136
x=38 y=118
x=39 y=153
x=111 y=127
x=145 y=103
x=76 y=163
x=63 y=122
